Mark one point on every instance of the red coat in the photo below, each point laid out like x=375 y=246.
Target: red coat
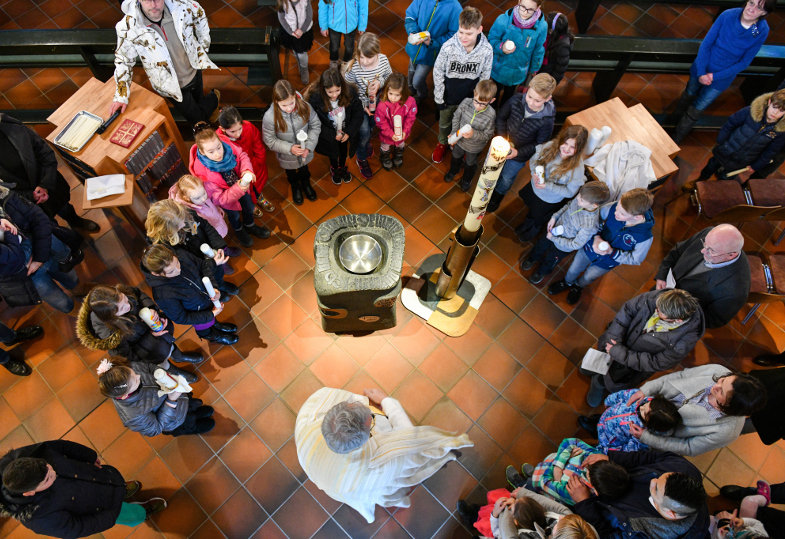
x=251 y=143
x=219 y=192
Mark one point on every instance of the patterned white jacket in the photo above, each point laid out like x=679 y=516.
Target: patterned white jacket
x=136 y=40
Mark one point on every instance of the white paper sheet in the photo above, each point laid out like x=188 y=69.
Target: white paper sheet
x=596 y=361
x=103 y=186
x=670 y=280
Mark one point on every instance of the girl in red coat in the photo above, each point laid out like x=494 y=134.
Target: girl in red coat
x=245 y=135
x=227 y=175
x=394 y=101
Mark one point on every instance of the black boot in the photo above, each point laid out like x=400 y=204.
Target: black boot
x=685 y=124
x=73 y=259
x=493 y=204
x=297 y=192
x=310 y=194
x=468 y=176
x=220 y=337
x=398 y=156
x=189 y=357
x=385 y=157
x=25 y=334
x=190 y=377
x=455 y=168
x=225 y=327
x=681 y=107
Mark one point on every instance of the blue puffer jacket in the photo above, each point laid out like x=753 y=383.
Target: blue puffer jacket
x=443 y=26
x=344 y=16
x=630 y=244
x=747 y=140
x=511 y=69
x=613 y=430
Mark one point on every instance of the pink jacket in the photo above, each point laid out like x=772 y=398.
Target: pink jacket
x=207 y=211
x=224 y=196
x=384 y=119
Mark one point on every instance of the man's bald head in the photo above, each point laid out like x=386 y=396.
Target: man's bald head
x=723 y=243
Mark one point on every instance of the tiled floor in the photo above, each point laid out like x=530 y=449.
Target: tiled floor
x=511 y=382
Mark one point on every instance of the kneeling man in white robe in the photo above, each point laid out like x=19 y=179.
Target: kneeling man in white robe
x=363 y=456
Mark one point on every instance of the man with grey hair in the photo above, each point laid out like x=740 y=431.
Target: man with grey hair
x=712 y=267
x=665 y=498
x=363 y=450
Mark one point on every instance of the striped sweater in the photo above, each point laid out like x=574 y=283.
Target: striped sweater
x=362 y=77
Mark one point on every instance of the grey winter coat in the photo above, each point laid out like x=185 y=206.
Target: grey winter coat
x=144 y=411
x=281 y=142
x=483 y=124
x=637 y=354
x=698 y=432
x=556 y=188
x=580 y=225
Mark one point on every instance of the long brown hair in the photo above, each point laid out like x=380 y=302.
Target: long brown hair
x=283 y=90
x=330 y=78
x=103 y=301
x=395 y=81
x=551 y=150
x=116 y=381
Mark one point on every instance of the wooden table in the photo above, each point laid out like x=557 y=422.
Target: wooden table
x=633 y=123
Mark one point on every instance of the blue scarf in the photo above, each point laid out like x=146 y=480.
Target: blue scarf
x=224 y=165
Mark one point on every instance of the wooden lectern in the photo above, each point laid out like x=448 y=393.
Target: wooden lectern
x=156 y=157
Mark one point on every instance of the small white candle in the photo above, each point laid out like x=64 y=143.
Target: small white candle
x=489 y=175
x=302 y=136
x=557 y=230
x=509 y=46
x=211 y=291
x=398 y=125
x=539 y=170
x=604 y=246
x=207 y=250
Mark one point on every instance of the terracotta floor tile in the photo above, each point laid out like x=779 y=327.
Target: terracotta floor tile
x=388 y=368
x=417 y=395
x=240 y=515
x=423 y=501
x=227 y=425
x=443 y=367
x=224 y=369
x=361 y=348
x=497 y=367
x=494 y=316
x=574 y=390
x=102 y=426
x=249 y=396
x=18 y=437
x=330 y=530
x=502 y=422
x=255 y=342
x=59 y=370
x=285 y=269
x=304 y=293
x=283 y=316
x=447 y=416
x=472 y=395
x=514 y=291
x=543 y=316
x=275 y=424
x=24 y=399
x=414 y=341
x=301 y=516
x=557 y=420
x=80 y=396
x=550 y=366
x=235 y=454
x=531 y=446
x=526 y=392
x=491 y=266
x=435 y=224
x=185 y=455
x=271 y=485
x=450 y=484
x=470 y=346
x=8 y=420
x=49 y=422
x=260 y=292
x=362 y=200
x=212 y=485
x=269 y=530
x=129 y=453
x=279 y=368
x=333 y=367
x=207 y=531
x=356 y=526
x=300 y=389
x=410 y=203
x=572 y=340
x=304 y=246
x=728 y=469
x=182 y=516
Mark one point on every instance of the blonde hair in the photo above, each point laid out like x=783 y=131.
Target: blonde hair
x=162 y=221
x=543 y=84
x=203 y=132
x=368 y=45
x=470 y=17
x=188 y=183
x=637 y=201
x=485 y=90
x=574 y=527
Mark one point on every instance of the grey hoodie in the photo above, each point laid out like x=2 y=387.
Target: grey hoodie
x=483 y=124
x=456 y=72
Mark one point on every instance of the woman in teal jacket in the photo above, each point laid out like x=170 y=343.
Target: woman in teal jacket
x=525 y=26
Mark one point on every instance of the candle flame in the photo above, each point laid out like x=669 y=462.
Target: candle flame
x=499 y=148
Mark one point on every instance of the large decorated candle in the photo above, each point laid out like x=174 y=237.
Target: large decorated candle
x=489 y=175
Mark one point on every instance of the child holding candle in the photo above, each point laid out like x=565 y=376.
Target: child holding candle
x=176 y=281
x=227 y=174
x=109 y=320
x=175 y=226
x=368 y=70
x=245 y=135
x=395 y=117
x=557 y=173
x=296 y=18
x=481 y=118
x=342 y=18
x=568 y=230
x=291 y=128
x=340 y=112
x=464 y=60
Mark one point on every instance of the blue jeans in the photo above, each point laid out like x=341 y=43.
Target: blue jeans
x=246 y=203
x=44 y=279
x=365 y=137
x=704 y=95
x=508 y=175
x=580 y=263
x=417 y=76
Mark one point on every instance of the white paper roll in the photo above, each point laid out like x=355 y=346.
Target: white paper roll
x=208 y=286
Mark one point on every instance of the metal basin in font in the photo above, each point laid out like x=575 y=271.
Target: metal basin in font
x=360 y=253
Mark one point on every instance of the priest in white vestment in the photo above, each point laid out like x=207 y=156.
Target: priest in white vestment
x=363 y=456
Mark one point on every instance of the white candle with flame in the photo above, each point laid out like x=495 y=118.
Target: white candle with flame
x=489 y=175
x=211 y=291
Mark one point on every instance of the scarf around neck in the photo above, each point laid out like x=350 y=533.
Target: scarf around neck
x=528 y=23
x=224 y=165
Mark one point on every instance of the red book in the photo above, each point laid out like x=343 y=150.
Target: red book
x=126 y=133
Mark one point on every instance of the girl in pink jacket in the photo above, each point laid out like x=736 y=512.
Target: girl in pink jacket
x=395 y=115
x=227 y=173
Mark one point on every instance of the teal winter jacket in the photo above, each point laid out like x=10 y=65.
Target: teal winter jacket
x=512 y=69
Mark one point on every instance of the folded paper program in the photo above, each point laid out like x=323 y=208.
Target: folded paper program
x=103 y=186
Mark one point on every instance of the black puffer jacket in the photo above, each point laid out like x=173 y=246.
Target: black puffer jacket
x=82 y=501
x=525 y=133
x=30 y=220
x=183 y=299
x=557 y=57
x=747 y=140
x=327 y=144
x=139 y=345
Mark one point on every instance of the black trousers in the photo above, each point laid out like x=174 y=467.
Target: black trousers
x=774 y=519
x=503 y=93
x=337 y=161
x=196 y=106
x=189 y=424
x=297 y=175
x=335 y=45
x=546 y=252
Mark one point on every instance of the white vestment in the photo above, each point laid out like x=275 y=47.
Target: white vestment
x=396 y=457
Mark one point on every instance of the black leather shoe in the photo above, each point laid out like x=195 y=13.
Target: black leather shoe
x=26 y=334
x=73 y=259
x=467 y=512
x=189 y=376
x=558 y=287
x=259 y=231
x=204 y=425
x=203 y=412
x=737 y=493
x=225 y=327
x=297 y=195
x=19 y=368
x=222 y=338
x=537 y=277
x=770 y=360
x=310 y=194
x=244 y=237
x=229 y=289
x=194 y=359
x=589 y=423
x=84 y=224
x=574 y=294
x=527 y=264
